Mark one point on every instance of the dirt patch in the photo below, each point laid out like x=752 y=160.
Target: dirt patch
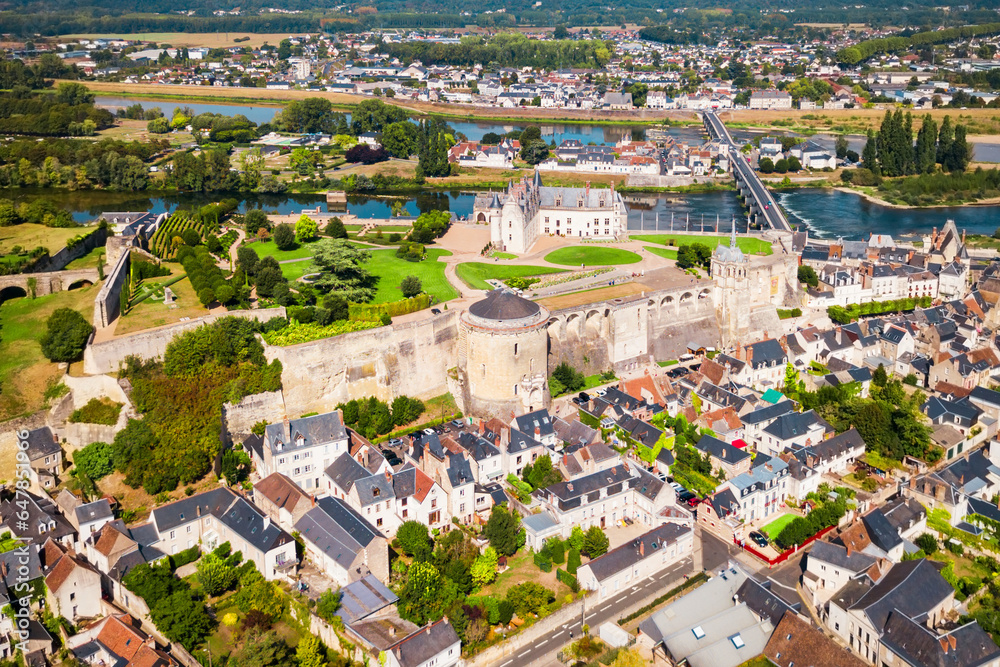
x=592 y=296
x=465 y=238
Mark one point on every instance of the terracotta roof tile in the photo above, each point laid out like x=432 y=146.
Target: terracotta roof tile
x=121 y=637
x=795 y=641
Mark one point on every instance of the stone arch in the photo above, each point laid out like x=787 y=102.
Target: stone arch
x=556 y=328
x=12 y=292
x=80 y=284
x=594 y=322
x=686 y=299
x=574 y=324
x=481 y=217
x=704 y=294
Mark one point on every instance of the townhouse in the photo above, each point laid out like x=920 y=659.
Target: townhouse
x=301 y=449
x=638 y=559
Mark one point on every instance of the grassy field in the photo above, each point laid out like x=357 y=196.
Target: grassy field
x=583 y=297
x=666 y=253
x=295 y=270
x=30 y=236
x=212 y=40
x=269 y=249
x=749 y=244
x=391 y=270
x=475 y=274
x=854 y=121
x=89 y=261
x=773 y=529
x=24 y=372
x=591 y=256
x=154 y=313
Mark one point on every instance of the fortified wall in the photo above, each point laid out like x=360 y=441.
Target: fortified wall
x=411 y=358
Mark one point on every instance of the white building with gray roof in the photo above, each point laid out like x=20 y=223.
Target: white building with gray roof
x=301 y=449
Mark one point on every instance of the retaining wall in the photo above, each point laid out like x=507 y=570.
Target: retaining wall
x=107 y=356
x=240 y=417
x=58 y=261
x=108 y=301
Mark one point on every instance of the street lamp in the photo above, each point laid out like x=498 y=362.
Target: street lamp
x=209 y=652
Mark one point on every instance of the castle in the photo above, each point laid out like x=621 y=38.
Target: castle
x=527 y=209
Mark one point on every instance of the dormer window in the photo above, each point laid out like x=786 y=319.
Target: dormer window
x=375 y=492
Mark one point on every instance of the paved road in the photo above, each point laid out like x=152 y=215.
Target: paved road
x=545 y=648
x=765 y=204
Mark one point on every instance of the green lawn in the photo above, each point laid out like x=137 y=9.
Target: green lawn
x=90 y=260
x=268 y=249
x=502 y=255
x=475 y=274
x=295 y=270
x=591 y=256
x=391 y=270
x=749 y=244
x=773 y=529
x=667 y=253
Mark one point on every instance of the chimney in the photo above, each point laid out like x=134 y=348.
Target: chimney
x=847 y=546
x=267 y=522
x=939 y=492
x=288 y=429
x=388 y=474
x=944 y=644
x=963 y=243
x=565 y=459
x=951 y=638
x=392 y=630
x=913 y=482
x=538 y=433
x=642 y=548
x=428 y=629
x=197 y=510
x=482 y=427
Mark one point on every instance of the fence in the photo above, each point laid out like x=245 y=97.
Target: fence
x=782 y=557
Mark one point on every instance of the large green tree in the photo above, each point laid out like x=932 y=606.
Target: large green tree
x=502 y=530
x=66 y=335
x=342 y=270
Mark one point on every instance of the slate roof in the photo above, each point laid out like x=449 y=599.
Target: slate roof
x=336 y=530
x=539 y=419
x=791 y=425
x=767 y=412
x=345 y=472
x=837 y=555
x=41 y=443
x=880 y=531
x=628 y=555
x=504 y=304
x=306 y=432
x=95 y=511
x=363 y=598
x=762 y=601
x=373 y=489
x=721 y=450
x=766 y=353
x=912 y=587
x=966 y=646
x=425 y=644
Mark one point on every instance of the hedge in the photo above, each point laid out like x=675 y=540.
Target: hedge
x=568 y=579
x=841 y=315
x=542 y=561
x=182 y=558
x=696 y=579
x=371 y=312
x=589 y=419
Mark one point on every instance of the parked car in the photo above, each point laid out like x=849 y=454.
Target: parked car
x=584 y=397
x=686 y=496
x=693 y=501
x=393 y=460
x=457 y=423
x=677 y=487
x=601 y=392
x=429 y=431
x=435 y=311
x=759 y=539
x=396 y=442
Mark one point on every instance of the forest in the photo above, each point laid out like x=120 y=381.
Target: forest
x=507 y=50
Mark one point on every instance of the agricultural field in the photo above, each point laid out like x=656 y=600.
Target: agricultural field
x=591 y=256
x=475 y=274
x=391 y=270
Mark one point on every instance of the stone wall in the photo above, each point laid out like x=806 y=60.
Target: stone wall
x=504 y=651
x=108 y=356
x=239 y=418
x=57 y=262
x=108 y=300
x=411 y=358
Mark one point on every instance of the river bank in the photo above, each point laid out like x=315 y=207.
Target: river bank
x=875 y=199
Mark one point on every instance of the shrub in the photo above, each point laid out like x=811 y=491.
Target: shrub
x=573 y=561
x=284 y=237
x=410 y=286
x=568 y=579
x=95 y=460
x=97 y=411
x=66 y=335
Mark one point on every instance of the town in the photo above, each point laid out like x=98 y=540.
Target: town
x=284 y=391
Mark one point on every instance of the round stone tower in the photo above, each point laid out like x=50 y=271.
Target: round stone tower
x=502 y=355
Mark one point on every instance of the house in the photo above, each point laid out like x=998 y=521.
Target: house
x=301 y=449
x=724 y=456
x=419 y=498
x=961 y=414
x=638 y=559
x=770 y=99
x=211 y=518
x=795 y=641
x=45 y=458
x=341 y=543
x=72 y=585
x=618 y=101
x=91 y=517
x=859 y=613
x=829 y=567
x=118 y=640
x=973 y=474
x=707 y=628
x=913 y=643
x=539 y=423
x=435 y=645
x=43 y=521
x=790 y=430
x=758 y=493
x=766 y=360
x=538 y=528
x=114 y=550
x=281 y=499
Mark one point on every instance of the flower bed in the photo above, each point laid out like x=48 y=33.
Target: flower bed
x=297 y=332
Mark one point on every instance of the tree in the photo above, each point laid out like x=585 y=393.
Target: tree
x=595 y=542
x=501 y=530
x=869 y=155
x=794 y=165
x=284 y=237
x=254 y=220
x=263 y=649
x=573 y=560
x=257 y=594
x=181 y=618
x=766 y=166
x=628 y=657
x=576 y=538
x=570 y=378
x=366 y=154
x=807 y=275
x=66 y=335
x=529 y=598
x=429 y=226
x=946 y=137
x=484 y=568
x=327 y=605
x=410 y=286
x=310 y=653
x=425 y=595
x=306 y=229
x=335 y=229
x=927 y=543
x=542 y=474
x=341 y=268
x=534 y=152
x=925 y=152
x=880 y=377
x=961 y=151
x=96 y=460
x=401 y=139
x=206 y=295
x=841 y=146
x=158 y=126
x=215 y=575
x=235 y=464
x=414 y=540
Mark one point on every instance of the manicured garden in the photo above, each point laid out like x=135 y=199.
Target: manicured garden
x=666 y=253
x=269 y=249
x=749 y=244
x=591 y=256
x=391 y=270
x=475 y=274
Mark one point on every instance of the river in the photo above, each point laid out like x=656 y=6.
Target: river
x=827 y=213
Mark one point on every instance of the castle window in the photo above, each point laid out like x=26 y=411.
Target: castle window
x=515 y=349
x=515 y=390
x=546 y=220
x=484 y=370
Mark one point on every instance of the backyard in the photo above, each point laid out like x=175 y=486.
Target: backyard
x=591 y=256
x=773 y=529
x=475 y=274
x=749 y=244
